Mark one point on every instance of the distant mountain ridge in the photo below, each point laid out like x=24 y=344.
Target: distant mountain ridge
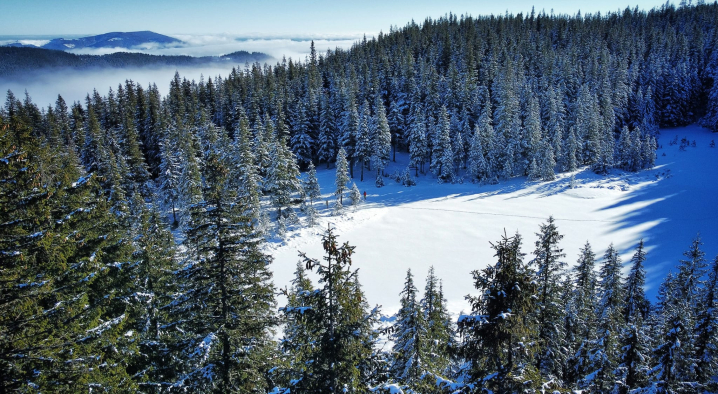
x=19 y=61
x=112 y=40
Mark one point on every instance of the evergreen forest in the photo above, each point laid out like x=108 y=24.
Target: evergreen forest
x=133 y=225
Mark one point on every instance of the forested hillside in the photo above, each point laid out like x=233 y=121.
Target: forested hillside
x=132 y=224
x=26 y=62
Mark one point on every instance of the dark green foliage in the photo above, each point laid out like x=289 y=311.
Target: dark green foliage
x=20 y=61
x=224 y=307
x=331 y=338
x=64 y=278
x=495 y=334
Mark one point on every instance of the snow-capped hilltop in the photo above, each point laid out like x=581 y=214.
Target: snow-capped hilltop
x=112 y=40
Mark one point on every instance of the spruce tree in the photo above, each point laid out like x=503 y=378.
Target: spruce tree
x=342 y=177
x=669 y=370
x=153 y=365
x=440 y=332
x=64 y=304
x=634 y=362
x=604 y=351
x=636 y=304
x=478 y=168
x=550 y=354
x=301 y=140
x=355 y=194
x=225 y=300
x=581 y=316
x=301 y=330
x=363 y=150
x=494 y=333
x=409 y=336
x=418 y=149
x=706 y=338
x=341 y=323
x=381 y=146
x=327 y=149
x=282 y=177
x=442 y=164
x=246 y=165
x=311 y=185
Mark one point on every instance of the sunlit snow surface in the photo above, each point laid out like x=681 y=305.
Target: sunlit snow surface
x=450 y=226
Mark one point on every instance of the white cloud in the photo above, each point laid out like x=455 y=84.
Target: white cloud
x=75 y=85
x=37 y=43
x=220 y=44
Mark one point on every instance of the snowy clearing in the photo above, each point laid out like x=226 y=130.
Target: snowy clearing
x=450 y=226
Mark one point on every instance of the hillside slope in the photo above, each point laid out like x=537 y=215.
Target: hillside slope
x=112 y=40
x=26 y=61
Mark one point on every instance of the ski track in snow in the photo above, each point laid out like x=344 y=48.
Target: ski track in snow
x=450 y=226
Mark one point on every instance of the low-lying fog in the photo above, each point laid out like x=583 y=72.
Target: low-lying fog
x=74 y=85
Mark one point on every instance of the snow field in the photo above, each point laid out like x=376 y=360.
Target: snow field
x=450 y=226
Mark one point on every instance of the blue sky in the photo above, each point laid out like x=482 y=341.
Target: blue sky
x=319 y=18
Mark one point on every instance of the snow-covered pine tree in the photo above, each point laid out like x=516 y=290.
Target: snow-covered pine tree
x=492 y=149
x=533 y=132
x=312 y=191
x=327 y=149
x=550 y=354
x=478 y=168
x=311 y=184
x=396 y=122
x=282 y=177
x=604 y=352
x=381 y=144
x=588 y=127
x=246 y=168
x=224 y=306
x=624 y=156
x=418 y=149
x=190 y=185
x=494 y=333
x=301 y=331
x=555 y=125
x=670 y=356
x=534 y=172
x=636 y=303
x=572 y=146
x=634 y=341
x=363 y=150
x=263 y=132
x=690 y=279
x=349 y=131
x=64 y=309
x=301 y=141
x=581 y=316
x=442 y=164
x=440 y=331
x=507 y=122
x=706 y=334
x=648 y=151
x=547 y=163
x=170 y=173
x=634 y=361
x=152 y=366
x=343 y=323
x=457 y=148
x=410 y=337
x=355 y=194
x=342 y=176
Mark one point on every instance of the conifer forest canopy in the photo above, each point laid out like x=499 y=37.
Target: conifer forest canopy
x=133 y=225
